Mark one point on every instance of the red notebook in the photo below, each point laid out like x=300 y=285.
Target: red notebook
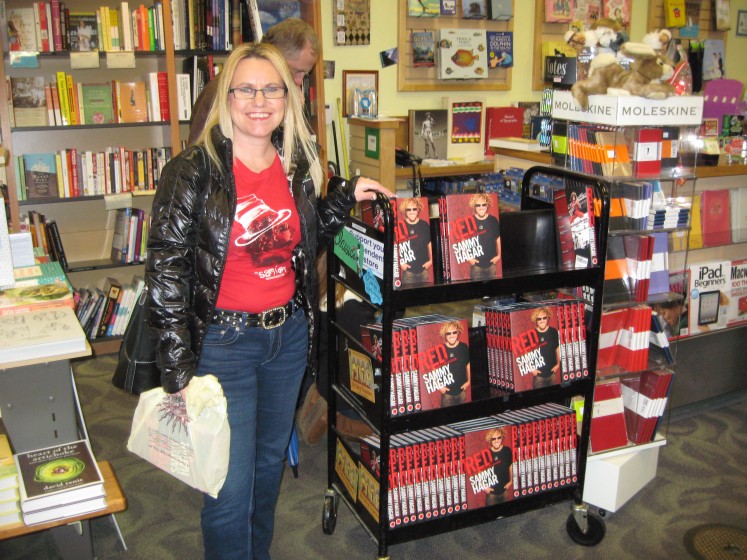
x=608 y=417
x=715 y=217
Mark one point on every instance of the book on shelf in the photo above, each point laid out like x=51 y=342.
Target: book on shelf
x=474 y=9
x=97 y=103
x=21 y=29
x=132 y=101
x=113 y=293
x=413 y=237
x=470 y=236
x=517 y=143
x=645 y=398
x=29 y=101
x=443 y=362
x=658 y=337
x=736 y=309
x=184 y=97
x=55 y=243
x=41 y=175
x=646 y=151
x=576 y=224
x=713 y=59
x=708 y=291
x=617 y=10
x=59 y=481
x=500 y=10
x=500 y=49
x=462 y=54
x=675 y=14
x=423 y=8
x=423 y=48
x=429 y=129
x=448 y=7
x=40 y=334
x=83 y=31
x=608 y=429
x=502 y=122
x=557 y=12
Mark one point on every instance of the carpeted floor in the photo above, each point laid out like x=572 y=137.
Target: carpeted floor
x=702 y=479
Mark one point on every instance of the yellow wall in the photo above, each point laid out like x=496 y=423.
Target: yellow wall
x=396 y=103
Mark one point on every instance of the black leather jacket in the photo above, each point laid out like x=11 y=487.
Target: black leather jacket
x=193 y=211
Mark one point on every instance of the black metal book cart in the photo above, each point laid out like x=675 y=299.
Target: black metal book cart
x=531 y=264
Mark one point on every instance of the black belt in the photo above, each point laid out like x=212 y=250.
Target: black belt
x=270 y=319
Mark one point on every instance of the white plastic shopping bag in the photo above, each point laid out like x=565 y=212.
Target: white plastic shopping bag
x=190 y=441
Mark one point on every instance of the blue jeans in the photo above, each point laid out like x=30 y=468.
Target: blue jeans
x=260 y=371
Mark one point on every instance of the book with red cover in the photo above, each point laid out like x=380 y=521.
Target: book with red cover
x=443 y=362
x=472 y=242
x=647 y=152
x=715 y=217
x=579 y=208
x=608 y=417
x=488 y=462
x=413 y=236
x=501 y=122
x=535 y=347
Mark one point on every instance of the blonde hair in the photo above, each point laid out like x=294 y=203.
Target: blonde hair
x=416 y=201
x=494 y=432
x=296 y=131
x=539 y=311
x=446 y=327
x=479 y=197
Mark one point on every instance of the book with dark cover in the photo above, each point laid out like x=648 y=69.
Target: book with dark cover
x=83 y=34
x=41 y=175
x=58 y=475
x=112 y=290
x=56 y=239
x=472 y=237
x=429 y=129
x=500 y=49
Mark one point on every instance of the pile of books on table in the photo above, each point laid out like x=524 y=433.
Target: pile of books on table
x=10 y=512
x=59 y=482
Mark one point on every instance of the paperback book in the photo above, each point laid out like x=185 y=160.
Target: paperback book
x=414 y=245
x=423 y=49
x=462 y=54
x=40 y=334
x=429 y=133
x=500 y=49
x=40 y=172
x=58 y=475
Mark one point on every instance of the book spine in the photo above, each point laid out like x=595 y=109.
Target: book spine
x=57 y=243
x=64 y=103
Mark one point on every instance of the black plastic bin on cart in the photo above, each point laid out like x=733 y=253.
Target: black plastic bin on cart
x=530 y=253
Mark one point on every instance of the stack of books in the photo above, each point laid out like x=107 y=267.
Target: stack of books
x=10 y=511
x=59 y=482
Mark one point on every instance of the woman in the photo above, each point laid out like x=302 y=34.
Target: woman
x=232 y=282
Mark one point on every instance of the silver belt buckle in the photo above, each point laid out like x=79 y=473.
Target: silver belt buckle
x=273 y=318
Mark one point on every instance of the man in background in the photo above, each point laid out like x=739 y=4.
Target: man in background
x=299 y=44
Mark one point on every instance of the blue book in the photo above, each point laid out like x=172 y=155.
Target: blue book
x=500 y=49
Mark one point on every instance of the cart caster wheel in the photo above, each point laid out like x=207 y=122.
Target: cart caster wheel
x=329 y=515
x=592 y=537
x=602 y=512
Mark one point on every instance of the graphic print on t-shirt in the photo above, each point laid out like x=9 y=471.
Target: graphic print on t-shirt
x=268 y=236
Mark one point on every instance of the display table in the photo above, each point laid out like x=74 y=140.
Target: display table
x=40 y=408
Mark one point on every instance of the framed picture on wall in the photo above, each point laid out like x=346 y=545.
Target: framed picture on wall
x=742 y=23
x=363 y=80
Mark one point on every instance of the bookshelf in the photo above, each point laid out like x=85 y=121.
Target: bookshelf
x=412 y=78
x=86 y=223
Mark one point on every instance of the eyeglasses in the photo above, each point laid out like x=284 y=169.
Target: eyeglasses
x=496 y=437
x=270 y=92
x=411 y=209
x=480 y=205
x=452 y=332
x=541 y=318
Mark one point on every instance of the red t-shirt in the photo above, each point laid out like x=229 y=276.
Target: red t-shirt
x=266 y=229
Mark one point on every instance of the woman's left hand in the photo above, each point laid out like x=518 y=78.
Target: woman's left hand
x=366 y=189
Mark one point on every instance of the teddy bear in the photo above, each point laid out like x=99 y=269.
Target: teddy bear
x=646 y=76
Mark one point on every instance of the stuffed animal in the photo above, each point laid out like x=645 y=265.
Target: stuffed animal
x=661 y=41
x=646 y=77
x=610 y=35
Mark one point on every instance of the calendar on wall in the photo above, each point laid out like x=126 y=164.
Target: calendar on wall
x=352 y=22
